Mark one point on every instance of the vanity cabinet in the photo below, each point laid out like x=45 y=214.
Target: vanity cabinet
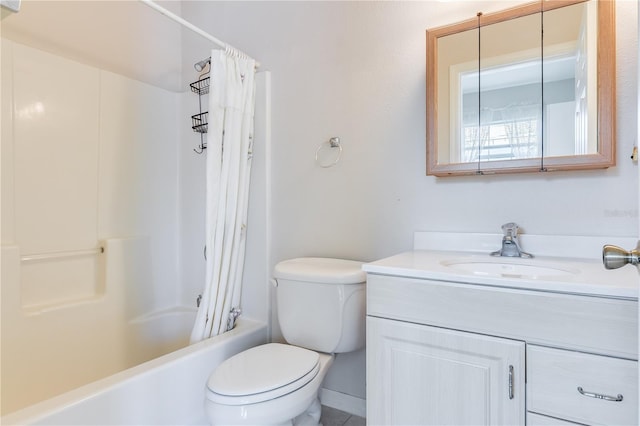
x=423 y=374
x=443 y=352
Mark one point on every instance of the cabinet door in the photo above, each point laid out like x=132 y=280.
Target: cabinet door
x=421 y=375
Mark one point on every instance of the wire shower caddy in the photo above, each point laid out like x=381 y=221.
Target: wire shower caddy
x=199 y=122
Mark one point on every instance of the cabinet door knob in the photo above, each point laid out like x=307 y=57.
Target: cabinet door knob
x=600 y=396
x=615 y=257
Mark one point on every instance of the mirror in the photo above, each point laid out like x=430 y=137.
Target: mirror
x=503 y=98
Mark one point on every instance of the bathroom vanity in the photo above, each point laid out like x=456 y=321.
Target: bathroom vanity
x=466 y=338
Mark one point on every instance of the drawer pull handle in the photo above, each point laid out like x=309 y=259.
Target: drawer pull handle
x=600 y=396
x=511 y=382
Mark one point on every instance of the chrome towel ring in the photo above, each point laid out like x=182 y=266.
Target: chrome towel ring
x=331 y=143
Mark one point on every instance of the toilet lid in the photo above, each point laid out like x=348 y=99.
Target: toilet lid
x=321 y=270
x=262 y=373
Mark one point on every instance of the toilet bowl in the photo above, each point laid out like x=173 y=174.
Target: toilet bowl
x=321 y=311
x=252 y=390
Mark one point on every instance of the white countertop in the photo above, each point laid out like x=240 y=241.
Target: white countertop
x=576 y=275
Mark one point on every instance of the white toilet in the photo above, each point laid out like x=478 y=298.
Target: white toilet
x=321 y=311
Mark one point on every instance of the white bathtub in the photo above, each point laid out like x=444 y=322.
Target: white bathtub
x=168 y=390
x=158 y=333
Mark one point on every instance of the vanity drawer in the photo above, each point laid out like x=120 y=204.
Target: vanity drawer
x=554 y=376
x=538 y=420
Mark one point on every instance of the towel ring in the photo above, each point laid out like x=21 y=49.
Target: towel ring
x=331 y=143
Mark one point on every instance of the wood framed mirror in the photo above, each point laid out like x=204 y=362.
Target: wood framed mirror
x=505 y=97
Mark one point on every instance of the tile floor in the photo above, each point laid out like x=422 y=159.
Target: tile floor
x=332 y=417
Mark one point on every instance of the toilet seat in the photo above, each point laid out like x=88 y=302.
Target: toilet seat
x=262 y=373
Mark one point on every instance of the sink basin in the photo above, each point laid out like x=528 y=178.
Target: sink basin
x=507 y=269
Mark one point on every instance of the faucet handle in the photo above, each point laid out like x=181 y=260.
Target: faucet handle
x=510 y=229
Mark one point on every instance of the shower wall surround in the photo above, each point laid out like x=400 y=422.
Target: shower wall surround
x=88 y=160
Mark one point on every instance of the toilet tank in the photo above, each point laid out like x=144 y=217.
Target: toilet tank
x=321 y=303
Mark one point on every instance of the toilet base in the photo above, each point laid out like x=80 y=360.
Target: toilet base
x=311 y=417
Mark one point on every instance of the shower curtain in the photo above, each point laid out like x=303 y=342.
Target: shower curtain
x=229 y=151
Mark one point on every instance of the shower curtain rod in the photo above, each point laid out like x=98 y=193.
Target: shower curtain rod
x=191 y=27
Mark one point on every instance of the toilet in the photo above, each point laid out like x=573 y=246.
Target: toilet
x=321 y=312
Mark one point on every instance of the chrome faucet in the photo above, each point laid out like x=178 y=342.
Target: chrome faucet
x=510 y=244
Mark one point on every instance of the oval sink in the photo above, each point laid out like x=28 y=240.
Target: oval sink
x=507 y=269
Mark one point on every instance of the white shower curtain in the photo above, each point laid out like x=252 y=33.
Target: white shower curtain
x=229 y=151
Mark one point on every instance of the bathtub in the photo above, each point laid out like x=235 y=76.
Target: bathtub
x=168 y=390
x=158 y=333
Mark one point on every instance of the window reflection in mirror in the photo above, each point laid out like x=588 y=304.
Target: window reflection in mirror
x=510 y=90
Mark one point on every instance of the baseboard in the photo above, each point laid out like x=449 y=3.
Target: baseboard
x=343 y=402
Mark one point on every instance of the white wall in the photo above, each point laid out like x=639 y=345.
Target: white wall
x=357 y=70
